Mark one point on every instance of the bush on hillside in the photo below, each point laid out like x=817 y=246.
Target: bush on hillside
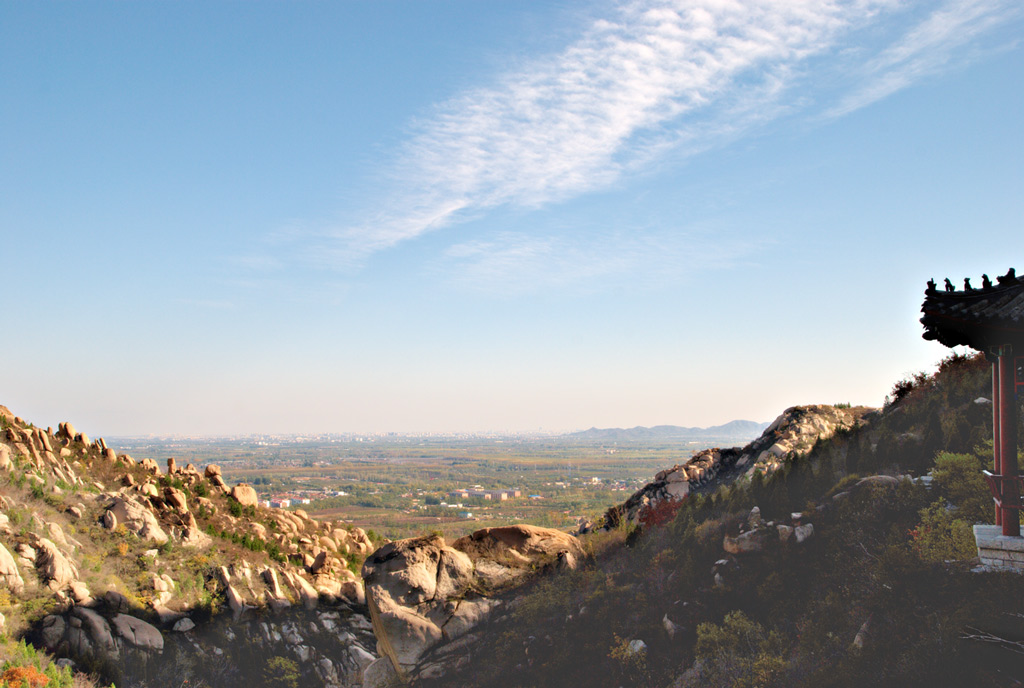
x=740 y=653
x=26 y=666
x=959 y=479
x=942 y=537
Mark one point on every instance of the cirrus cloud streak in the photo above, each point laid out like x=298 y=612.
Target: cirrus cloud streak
x=658 y=78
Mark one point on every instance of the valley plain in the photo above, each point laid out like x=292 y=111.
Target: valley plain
x=402 y=485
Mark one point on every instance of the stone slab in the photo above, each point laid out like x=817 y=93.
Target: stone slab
x=991 y=537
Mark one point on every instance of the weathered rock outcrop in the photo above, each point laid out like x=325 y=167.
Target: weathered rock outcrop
x=138 y=633
x=756 y=535
x=424 y=594
x=136 y=517
x=9 y=573
x=797 y=430
x=792 y=433
x=328 y=647
x=56 y=569
x=144 y=629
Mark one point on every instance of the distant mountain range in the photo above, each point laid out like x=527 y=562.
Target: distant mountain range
x=743 y=429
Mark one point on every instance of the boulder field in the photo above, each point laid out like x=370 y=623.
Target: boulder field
x=134 y=565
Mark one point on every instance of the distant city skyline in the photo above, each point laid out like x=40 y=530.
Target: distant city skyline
x=462 y=217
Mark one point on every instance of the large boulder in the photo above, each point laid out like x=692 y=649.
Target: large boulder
x=505 y=553
x=749 y=542
x=176 y=499
x=423 y=593
x=66 y=431
x=136 y=517
x=95 y=639
x=138 y=633
x=52 y=631
x=244 y=495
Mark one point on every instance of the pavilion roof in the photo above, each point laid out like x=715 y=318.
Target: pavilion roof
x=991 y=315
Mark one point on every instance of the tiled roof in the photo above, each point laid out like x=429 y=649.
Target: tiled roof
x=979 y=318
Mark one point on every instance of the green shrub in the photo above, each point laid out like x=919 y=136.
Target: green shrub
x=958 y=478
x=171 y=481
x=739 y=653
x=940 y=536
x=632 y=664
x=30 y=666
x=281 y=671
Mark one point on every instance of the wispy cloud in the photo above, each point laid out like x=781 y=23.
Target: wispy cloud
x=657 y=76
x=514 y=263
x=926 y=49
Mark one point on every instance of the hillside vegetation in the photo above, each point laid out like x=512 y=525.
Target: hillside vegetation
x=129 y=571
x=879 y=590
x=835 y=550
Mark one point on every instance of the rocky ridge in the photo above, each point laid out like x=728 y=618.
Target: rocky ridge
x=793 y=433
x=107 y=545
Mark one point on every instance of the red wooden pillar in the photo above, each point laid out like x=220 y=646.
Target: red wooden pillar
x=997 y=464
x=1008 y=442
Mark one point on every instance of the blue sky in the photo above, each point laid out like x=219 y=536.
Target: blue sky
x=223 y=218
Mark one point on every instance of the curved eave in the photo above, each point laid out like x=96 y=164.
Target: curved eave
x=979 y=318
x=956 y=332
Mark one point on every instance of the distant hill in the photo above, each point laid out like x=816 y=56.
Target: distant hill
x=743 y=429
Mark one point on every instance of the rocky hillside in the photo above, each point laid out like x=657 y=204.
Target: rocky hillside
x=834 y=550
x=140 y=573
x=843 y=558
x=430 y=601
x=793 y=433
x=144 y=575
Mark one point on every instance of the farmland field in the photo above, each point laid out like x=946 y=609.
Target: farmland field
x=400 y=486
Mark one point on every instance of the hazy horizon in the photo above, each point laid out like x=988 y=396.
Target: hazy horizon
x=460 y=216
x=484 y=432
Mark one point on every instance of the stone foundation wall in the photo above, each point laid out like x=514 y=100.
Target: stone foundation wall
x=997 y=551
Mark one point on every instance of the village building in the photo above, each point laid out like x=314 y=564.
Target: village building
x=490 y=495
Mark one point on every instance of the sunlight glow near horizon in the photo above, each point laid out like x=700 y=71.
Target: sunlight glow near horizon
x=492 y=216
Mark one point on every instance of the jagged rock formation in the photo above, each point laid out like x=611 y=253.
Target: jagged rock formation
x=425 y=596
x=792 y=433
x=292 y=584
x=796 y=431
